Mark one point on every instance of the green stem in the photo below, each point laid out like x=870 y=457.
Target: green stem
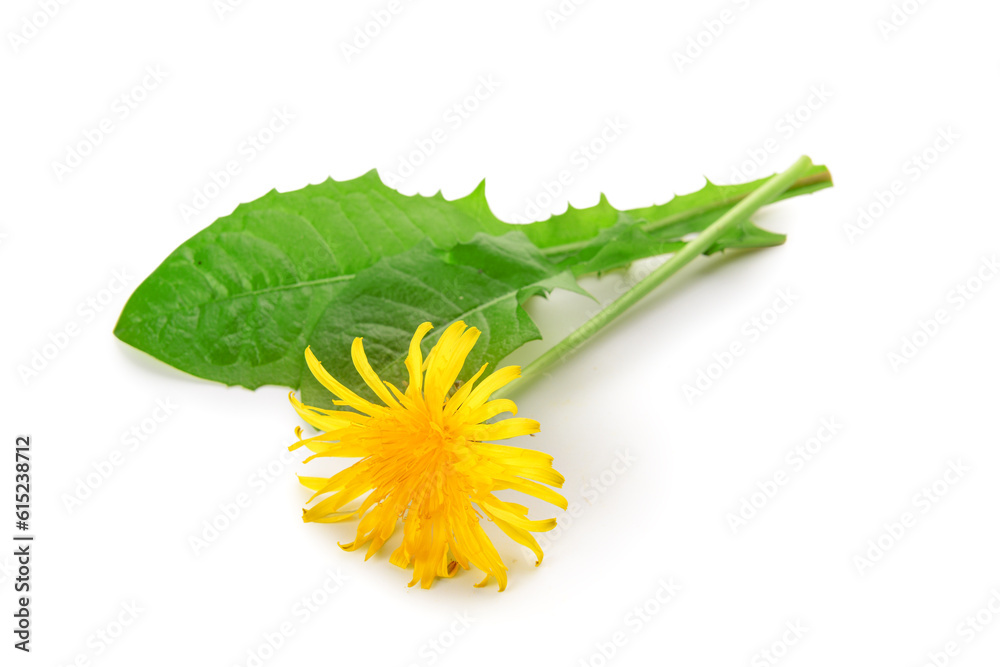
x=765 y=194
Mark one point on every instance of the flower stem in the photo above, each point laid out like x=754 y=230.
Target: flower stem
x=765 y=194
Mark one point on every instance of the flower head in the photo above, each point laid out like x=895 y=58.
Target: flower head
x=426 y=461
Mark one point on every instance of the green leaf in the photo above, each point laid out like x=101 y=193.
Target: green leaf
x=233 y=301
x=239 y=301
x=681 y=215
x=602 y=238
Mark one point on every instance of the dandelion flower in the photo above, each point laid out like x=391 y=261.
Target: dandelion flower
x=426 y=461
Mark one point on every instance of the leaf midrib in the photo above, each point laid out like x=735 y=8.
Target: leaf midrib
x=256 y=292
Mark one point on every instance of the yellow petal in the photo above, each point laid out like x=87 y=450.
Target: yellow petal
x=447 y=340
x=330 y=505
x=463 y=392
x=415 y=361
x=507 y=428
x=400 y=557
x=497 y=379
x=491 y=409
x=314 y=483
x=336 y=517
x=548 y=475
x=448 y=358
x=337 y=389
x=325 y=420
x=522 y=537
x=532 y=489
x=497 y=509
x=369 y=375
x=515 y=456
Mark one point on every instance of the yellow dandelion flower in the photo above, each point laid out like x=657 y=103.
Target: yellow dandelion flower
x=426 y=461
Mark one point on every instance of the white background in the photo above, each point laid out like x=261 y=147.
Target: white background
x=887 y=97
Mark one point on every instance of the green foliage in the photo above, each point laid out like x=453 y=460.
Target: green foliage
x=239 y=301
